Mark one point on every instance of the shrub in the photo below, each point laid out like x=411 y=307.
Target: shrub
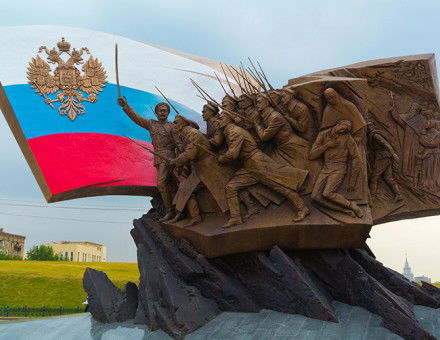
x=9 y=257
x=42 y=253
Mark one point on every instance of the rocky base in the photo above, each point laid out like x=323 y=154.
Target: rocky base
x=180 y=290
x=106 y=302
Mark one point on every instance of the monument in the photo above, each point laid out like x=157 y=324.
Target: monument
x=268 y=205
x=318 y=173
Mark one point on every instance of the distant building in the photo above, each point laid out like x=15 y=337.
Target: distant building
x=80 y=251
x=407 y=271
x=422 y=278
x=11 y=244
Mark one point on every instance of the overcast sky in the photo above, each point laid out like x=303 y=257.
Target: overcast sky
x=290 y=38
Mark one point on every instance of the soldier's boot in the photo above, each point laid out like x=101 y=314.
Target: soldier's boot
x=251 y=206
x=193 y=211
x=169 y=210
x=397 y=194
x=355 y=208
x=301 y=214
x=169 y=214
x=298 y=203
x=176 y=218
x=234 y=210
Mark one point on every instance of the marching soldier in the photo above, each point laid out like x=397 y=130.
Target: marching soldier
x=246 y=107
x=248 y=110
x=297 y=114
x=165 y=143
x=257 y=167
x=275 y=97
x=228 y=103
x=287 y=146
x=205 y=169
x=210 y=116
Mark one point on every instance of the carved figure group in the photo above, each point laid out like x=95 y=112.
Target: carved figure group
x=261 y=147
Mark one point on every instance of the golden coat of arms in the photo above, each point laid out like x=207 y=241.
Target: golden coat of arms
x=67 y=83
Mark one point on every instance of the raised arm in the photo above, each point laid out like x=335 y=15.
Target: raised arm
x=134 y=116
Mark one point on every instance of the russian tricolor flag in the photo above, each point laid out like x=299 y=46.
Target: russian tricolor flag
x=91 y=155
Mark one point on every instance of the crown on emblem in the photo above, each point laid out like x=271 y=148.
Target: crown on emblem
x=63 y=45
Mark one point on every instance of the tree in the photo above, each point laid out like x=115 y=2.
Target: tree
x=42 y=253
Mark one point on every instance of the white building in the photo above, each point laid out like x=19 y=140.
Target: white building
x=422 y=278
x=80 y=251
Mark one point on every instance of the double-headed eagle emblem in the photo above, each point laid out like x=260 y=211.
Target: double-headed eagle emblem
x=67 y=83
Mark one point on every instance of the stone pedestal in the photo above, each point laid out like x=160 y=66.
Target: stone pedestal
x=180 y=289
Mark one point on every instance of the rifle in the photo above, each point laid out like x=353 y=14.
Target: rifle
x=202 y=92
x=166 y=159
x=227 y=79
x=167 y=100
x=212 y=153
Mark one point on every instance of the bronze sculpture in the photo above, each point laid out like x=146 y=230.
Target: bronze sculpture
x=336 y=144
x=210 y=116
x=313 y=153
x=314 y=156
x=165 y=142
x=297 y=114
x=384 y=159
x=257 y=168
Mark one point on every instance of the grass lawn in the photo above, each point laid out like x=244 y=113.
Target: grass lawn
x=54 y=283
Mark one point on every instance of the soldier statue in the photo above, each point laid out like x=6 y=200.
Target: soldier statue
x=257 y=167
x=297 y=113
x=210 y=116
x=165 y=142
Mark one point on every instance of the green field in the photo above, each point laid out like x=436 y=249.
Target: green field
x=54 y=283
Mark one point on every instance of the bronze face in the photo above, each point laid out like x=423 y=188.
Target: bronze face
x=262 y=103
x=244 y=103
x=344 y=126
x=285 y=97
x=162 y=113
x=275 y=96
x=179 y=123
x=228 y=103
x=207 y=113
x=331 y=96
